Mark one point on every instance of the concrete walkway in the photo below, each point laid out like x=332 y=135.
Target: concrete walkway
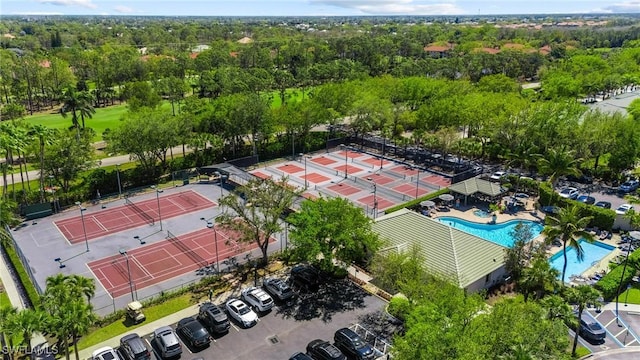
x=14 y=297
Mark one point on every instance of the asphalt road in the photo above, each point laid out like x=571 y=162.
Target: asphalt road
x=286 y=330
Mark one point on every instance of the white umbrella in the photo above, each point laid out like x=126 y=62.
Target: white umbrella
x=446 y=197
x=427 y=203
x=635 y=234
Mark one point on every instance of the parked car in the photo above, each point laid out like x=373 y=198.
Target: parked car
x=167 y=342
x=591 y=329
x=305 y=277
x=300 y=356
x=582 y=179
x=587 y=199
x=497 y=175
x=569 y=193
x=550 y=209
x=194 y=332
x=622 y=209
x=353 y=345
x=324 y=350
x=213 y=318
x=133 y=348
x=629 y=186
x=278 y=288
x=257 y=298
x=603 y=204
x=242 y=313
x=105 y=353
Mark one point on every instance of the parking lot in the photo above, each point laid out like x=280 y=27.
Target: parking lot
x=288 y=329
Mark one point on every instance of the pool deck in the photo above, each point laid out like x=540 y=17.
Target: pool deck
x=466 y=213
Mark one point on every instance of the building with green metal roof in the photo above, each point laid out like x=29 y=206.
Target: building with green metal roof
x=470 y=261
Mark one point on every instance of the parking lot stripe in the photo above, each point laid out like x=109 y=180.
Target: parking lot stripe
x=238 y=330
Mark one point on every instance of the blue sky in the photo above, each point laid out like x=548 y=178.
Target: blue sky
x=312 y=7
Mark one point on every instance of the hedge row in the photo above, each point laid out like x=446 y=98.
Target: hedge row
x=610 y=283
x=25 y=280
x=416 y=202
x=602 y=218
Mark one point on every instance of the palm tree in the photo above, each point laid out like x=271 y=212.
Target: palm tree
x=557 y=307
x=83 y=318
x=581 y=296
x=26 y=322
x=7 y=313
x=83 y=285
x=45 y=136
x=76 y=101
x=569 y=226
x=538 y=277
x=557 y=163
x=86 y=108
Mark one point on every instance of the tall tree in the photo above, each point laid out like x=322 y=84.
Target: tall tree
x=44 y=136
x=557 y=163
x=254 y=211
x=568 y=226
x=538 y=278
x=581 y=296
x=328 y=229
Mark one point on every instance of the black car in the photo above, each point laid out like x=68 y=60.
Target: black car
x=305 y=277
x=353 y=345
x=132 y=347
x=591 y=330
x=300 y=356
x=193 y=332
x=603 y=204
x=323 y=350
x=214 y=318
x=586 y=199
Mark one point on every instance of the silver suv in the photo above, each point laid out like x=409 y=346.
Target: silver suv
x=257 y=298
x=167 y=342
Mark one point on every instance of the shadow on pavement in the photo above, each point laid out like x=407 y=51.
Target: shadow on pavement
x=334 y=296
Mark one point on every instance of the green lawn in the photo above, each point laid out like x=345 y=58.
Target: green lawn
x=108 y=117
x=4 y=298
x=630 y=296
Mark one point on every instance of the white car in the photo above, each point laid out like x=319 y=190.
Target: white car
x=242 y=313
x=622 y=209
x=497 y=175
x=258 y=299
x=105 y=353
x=569 y=193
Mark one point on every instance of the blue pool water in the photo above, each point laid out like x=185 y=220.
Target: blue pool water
x=497 y=233
x=593 y=253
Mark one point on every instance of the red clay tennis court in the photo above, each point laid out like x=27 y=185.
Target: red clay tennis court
x=290 y=168
x=350 y=169
x=344 y=189
x=404 y=170
x=351 y=154
x=261 y=175
x=378 y=179
x=375 y=162
x=382 y=202
x=410 y=189
x=316 y=178
x=112 y=220
x=161 y=261
x=323 y=160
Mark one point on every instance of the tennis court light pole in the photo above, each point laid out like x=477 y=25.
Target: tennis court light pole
x=158 y=192
x=212 y=225
x=119 y=184
x=123 y=252
x=84 y=229
x=346 y=160
x=375 y=197
x=417 y=181
x=306 y=183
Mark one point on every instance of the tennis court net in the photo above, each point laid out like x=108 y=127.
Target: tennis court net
x=146 y=217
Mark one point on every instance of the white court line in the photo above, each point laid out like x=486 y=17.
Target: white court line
x=99 y=223
x=133 y=258
x=176 y=204
x=100 y=281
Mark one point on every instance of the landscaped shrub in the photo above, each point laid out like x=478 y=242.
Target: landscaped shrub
x=610 y=283
x=399 y=306
x=25 y=280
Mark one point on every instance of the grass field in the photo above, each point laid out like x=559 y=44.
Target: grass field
x=630 y=296
x=109 y=117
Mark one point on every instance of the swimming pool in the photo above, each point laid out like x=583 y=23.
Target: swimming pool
x=593 y=253
x=499 y=233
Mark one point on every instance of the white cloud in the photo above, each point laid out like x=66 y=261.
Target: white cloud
x=81 y=3
x=391 y=7
x=123 y=9
x=39 y=13
x=623 y=7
